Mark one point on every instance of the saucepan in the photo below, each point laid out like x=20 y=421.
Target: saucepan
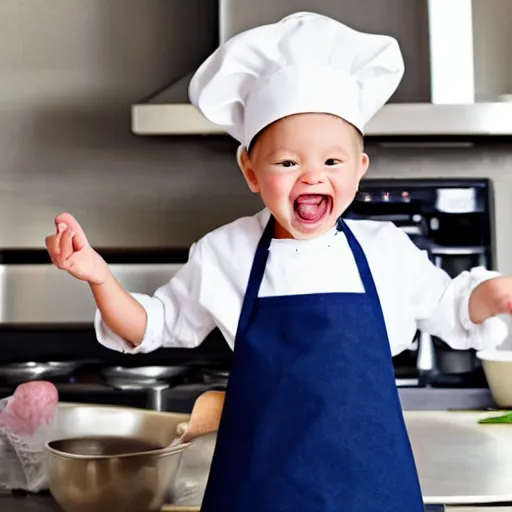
x=155 y=379
x=132 y=471
x=216 y=377
x=17 y=373
x=144 y=373
x=497 y=365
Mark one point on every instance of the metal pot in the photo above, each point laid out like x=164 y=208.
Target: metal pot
x=155 y=379
x=155 y=388
x=454 y=362
x=216 y=377
x=146 y=373
x=132 y=482
x=17 y=373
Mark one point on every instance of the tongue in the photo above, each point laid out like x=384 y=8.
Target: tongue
x=311 y=208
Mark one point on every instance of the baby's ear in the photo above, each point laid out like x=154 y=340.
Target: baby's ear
x=363 y=164
x=245 y=164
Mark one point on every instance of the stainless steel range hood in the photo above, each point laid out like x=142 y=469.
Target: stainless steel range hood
x=454 y=108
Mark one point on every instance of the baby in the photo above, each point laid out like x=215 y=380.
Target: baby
x=313 y=306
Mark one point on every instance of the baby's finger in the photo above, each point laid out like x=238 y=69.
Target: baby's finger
x=71 y=223
x=79 y=242
x=60 y=228
x=71 y=263
x=53 y=246
x=66 y=245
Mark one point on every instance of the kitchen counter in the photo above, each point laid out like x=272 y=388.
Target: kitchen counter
x=445 y=399
x=413 y=399
x=21 y=503
x=45 y=503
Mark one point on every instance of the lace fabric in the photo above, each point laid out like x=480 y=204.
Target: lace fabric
x=27 y=423
x=24 y=460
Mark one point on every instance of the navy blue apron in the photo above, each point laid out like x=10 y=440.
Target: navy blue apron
x=312 y=420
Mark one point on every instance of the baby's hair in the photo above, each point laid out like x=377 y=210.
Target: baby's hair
x=255 y=140
x=357 y=135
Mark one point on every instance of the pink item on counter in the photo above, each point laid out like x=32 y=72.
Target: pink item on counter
x=33 y=405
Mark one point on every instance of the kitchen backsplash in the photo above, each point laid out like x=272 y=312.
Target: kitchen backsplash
x=70 y=72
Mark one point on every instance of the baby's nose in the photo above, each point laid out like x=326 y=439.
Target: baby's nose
x=312 y=177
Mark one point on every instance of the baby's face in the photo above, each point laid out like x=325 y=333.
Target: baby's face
x=307 y=168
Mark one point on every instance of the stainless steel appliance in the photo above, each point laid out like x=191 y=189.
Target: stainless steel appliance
x=449 y=89
x=452 y=220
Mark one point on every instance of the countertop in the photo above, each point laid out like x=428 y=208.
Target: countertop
x=10 y=503
x=412 y=399
x=45 y=503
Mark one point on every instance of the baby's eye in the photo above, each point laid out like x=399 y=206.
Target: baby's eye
x=332 y=161
x=287 y=163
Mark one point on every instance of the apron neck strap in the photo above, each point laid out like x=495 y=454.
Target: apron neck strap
x=260 y=262
x=361 y=261
x=256 y=276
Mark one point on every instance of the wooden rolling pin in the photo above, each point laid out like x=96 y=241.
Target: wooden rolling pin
x=205 y=417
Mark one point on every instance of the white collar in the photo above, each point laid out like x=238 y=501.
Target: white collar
x=321 y=242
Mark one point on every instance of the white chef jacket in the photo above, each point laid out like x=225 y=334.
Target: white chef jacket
x=208 y=291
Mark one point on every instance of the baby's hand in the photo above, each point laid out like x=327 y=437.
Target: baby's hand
x=490 y=298
x=70 y=251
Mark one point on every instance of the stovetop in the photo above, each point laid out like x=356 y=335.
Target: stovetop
x=178 y=397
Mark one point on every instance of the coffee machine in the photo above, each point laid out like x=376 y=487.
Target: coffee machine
x=452 y=220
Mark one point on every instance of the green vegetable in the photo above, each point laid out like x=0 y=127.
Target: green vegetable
x=505 y=418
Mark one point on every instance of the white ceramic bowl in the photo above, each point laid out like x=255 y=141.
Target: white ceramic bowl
x=497 y=365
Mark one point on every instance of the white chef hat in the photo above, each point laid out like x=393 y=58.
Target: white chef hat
x=304 y=63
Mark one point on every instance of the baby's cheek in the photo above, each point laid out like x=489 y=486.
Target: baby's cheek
x=277 y=188
x=346 y=186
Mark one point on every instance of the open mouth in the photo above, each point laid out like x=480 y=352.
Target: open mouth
x=312 y=208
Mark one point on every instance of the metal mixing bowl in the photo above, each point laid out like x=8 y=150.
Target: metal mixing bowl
x=133 y=482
